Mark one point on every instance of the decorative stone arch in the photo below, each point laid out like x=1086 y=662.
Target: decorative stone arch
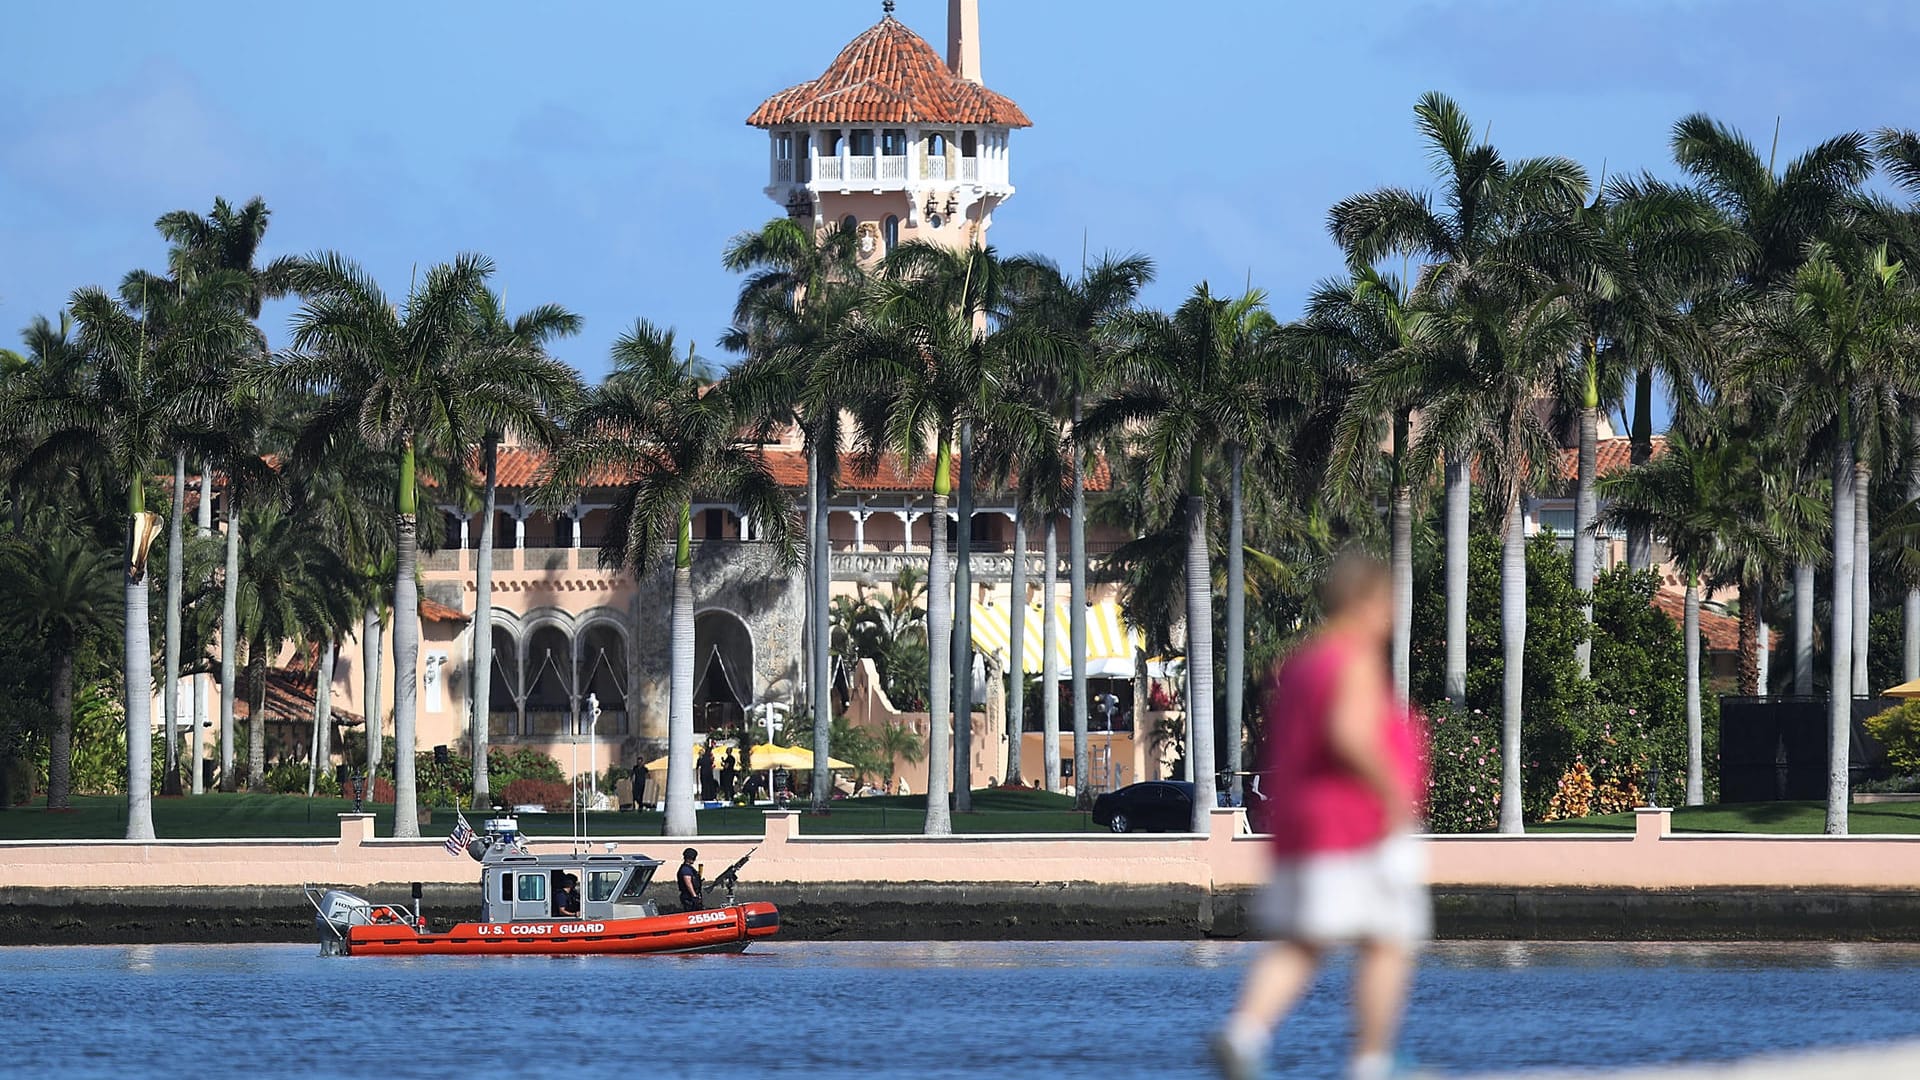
x=724 y=676
x=508 y=678
x=602 y=645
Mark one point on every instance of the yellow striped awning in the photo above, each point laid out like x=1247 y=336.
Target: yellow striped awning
x=1110 y=642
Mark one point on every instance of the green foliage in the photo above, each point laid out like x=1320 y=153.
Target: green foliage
x=1898 y=729
x=452 y=784
x=290 y=778
x=1463 y=759
x=99 y=741
x=1616 y=727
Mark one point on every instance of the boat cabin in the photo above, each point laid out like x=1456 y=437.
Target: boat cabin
x=518 y=887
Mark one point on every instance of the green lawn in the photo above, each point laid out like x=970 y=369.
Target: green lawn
x=1774 y=817
x=217 y=815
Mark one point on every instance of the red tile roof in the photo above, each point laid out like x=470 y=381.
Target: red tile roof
x=1614 y=455
x=289 y=697
x=520 y=466
x=888 y=75
x=1718 y=633
x=435 y=611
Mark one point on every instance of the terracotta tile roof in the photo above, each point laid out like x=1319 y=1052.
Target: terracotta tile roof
x=289 y=697
x=1614 y=455
x=435 y=611
x=1718 y=633
x=520 y=466
x=888 y=75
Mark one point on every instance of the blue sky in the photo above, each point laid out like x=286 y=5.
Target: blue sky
x=596 y=149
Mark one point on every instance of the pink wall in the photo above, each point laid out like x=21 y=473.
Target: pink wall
x=1652 y=859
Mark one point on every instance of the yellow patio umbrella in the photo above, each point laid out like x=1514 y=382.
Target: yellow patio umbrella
x=766 y=757
x=1904 y=690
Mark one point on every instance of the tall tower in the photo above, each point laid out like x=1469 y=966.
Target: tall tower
x=893 y=142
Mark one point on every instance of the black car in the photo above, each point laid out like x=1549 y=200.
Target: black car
x=1154 y=806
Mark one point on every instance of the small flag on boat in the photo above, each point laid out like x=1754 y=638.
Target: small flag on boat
x=462 y=836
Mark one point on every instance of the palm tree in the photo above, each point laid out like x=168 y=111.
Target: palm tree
x=1192 y=387
x=224 y=242
x=547 y=385
x=1369 y=324
x=1484 y=199
x=1834 y=344
x=414 y=381
x=1078 y=313
x=120 y=415
x=1695 y=498
x=294 y=587
x=899 y=743
x=802 y=285
x=1898 y=153
x=58 y=589
x=1513 y=336
x=1775 y=216
x=918 y=365
x=660 y=427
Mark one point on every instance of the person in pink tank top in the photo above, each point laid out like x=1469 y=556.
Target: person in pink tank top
x=1343 y=768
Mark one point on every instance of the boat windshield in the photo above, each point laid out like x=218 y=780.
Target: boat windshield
x=637 y=883
x=601 y=885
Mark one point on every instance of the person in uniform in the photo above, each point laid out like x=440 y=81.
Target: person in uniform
x=688 y=877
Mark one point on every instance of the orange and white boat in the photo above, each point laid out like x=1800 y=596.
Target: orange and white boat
x=520 y=910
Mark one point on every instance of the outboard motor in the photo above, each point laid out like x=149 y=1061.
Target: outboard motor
x=336 y=912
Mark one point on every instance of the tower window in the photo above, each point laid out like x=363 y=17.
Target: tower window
x=783 y=145
x=861 y=142
x=937 y=144
x=830 y=143
x=849 y=223
x=969 y=144
x=893 y=142
x=892 y=232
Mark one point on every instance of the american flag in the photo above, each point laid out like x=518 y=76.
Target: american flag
x=462 y=835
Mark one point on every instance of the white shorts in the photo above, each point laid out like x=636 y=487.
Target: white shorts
x=1377 y=893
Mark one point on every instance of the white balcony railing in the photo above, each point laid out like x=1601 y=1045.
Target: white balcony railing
x=933 y=168
x=859 y=168
x=783 y=170
x=969 y=168
x=830 y=168
x=893 y=168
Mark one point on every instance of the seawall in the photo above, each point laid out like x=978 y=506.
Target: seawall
x=1650 y=885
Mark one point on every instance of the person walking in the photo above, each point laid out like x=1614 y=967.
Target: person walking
x=1344 y=774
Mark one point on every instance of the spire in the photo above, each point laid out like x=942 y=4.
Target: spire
x=963 y=39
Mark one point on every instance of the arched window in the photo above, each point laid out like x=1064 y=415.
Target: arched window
x=937 y=144
x=892 y=232
x=849 y=223
x=969 y=144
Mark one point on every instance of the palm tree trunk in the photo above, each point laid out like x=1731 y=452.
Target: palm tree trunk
x=313 y=736
x=1840 y=641
x=1910 y=651
x=1862 y=569
x=60 y=739
x=203 y=522
x=1402 y=564
x=170 y=648
x=229 y=638
x=323 y=707
x=406 y=653
x=1513 y=641
x=1763 y=665
x=681 y=820
x=1803 y=586
x=1696 y=782
x=1748 y=677
x=1050 y=654
x=1200 y=654
x=1586 y=507
x=257 y=714
x=939 y=656
x=370 y=649
x=1236 y=622
x=963 y=632
x=1077 y=622
x=820 y=641
x=1017 y=648
x=138 y=672
x=1639 y=537
x=481 y=685
x=1459 y=503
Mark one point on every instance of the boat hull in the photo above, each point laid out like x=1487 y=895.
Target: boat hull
x=728 y=929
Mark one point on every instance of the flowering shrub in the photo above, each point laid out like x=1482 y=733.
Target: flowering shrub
x=1898 y=729
x=1463 y=761
x=554 y=795
x=1574 y=798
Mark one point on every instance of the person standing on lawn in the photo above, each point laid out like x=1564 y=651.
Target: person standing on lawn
x=1346 y=775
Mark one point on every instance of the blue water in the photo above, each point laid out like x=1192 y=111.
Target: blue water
x=905 y=1010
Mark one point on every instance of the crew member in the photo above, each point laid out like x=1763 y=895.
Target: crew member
x=568 y=902
x=689 y=879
